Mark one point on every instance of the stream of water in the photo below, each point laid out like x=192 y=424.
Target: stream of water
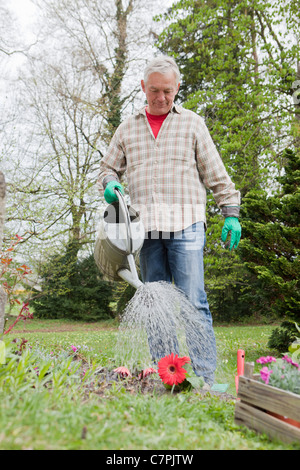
x=159 y=320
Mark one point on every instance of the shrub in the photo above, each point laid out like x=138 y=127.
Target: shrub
x=283 y=336
x=73 y=289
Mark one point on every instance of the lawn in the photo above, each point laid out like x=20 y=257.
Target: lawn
x=67 y=405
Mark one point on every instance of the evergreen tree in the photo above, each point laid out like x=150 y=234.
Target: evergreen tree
x=270 y=247
x=226 y=278
x=73 y=289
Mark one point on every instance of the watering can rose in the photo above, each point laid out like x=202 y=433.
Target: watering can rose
x=170 y=369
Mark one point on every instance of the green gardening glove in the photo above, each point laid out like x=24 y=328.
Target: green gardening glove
x=232 y=225
x=109 y=193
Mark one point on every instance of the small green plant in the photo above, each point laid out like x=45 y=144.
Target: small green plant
x=294 y=348
x=26 y=368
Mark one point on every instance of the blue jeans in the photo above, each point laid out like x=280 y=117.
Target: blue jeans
x=178 y=257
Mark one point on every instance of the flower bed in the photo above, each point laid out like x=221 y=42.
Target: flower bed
x=266 y=409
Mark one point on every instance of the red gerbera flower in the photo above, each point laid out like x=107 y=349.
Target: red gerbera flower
x=170 y=369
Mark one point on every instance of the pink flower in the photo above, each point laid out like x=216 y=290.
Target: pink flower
x=122 y=371
x=146 y=372
x=290 y=361
x=74 y=348
x=266 y=360
x=265 y=374
x=287 y=358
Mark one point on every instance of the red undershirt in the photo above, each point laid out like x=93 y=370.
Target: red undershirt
x=156 y=122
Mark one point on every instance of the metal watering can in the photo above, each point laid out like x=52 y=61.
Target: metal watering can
x=121 y=236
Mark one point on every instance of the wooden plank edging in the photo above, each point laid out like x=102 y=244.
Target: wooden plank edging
x=260 y=421
x=269 y=398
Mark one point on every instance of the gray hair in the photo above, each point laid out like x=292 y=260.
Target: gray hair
x=162 y=64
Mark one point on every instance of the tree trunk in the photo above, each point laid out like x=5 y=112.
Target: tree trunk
x=2 y=216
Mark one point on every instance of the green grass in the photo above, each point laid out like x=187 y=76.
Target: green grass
x=68 y=416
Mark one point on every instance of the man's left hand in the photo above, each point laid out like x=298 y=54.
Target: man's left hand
x=232 y=225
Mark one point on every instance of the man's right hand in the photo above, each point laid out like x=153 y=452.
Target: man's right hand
x=109 y=193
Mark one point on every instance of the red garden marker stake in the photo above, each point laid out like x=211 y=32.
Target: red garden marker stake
x=240 y=367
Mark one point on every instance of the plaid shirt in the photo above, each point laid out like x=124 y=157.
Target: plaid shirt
x=168 y=176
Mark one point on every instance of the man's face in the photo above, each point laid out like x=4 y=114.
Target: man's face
x=160 y=91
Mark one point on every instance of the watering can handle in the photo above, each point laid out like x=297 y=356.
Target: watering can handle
x=125 y=211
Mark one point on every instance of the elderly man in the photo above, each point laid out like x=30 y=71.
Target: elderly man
x=170 y=160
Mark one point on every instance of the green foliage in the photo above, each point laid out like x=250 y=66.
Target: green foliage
x=282 y=337
x=124 y=292
x=270 y=248
x=73 y=289
x=262 y=276
x=35 y=368
x=237 y=68
x=226 y=278
x=294 y=347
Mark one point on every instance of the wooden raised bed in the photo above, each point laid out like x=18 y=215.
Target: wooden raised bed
x=258 y=402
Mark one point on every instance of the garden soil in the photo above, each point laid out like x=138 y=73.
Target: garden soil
x=151 y=385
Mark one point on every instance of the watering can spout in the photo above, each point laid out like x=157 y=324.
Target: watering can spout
x=127 y=276
x=130 y=276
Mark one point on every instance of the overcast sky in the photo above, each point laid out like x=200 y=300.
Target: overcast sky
x=24 y=10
